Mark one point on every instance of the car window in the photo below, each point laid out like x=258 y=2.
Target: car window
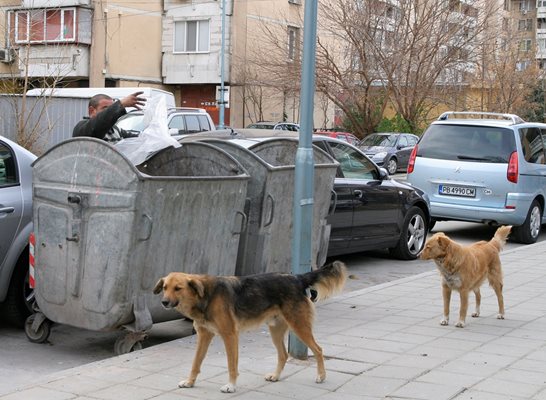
x=177 y=122
x=532 y=145
x=203 y=122
x=192 y=124
x=380 y=140
x=412 y=140
x=467 y=143
x=8 y=171
x=131 y=122
x=353 y=164
x=403 y=141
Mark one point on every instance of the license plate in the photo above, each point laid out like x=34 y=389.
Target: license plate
x=457 y=191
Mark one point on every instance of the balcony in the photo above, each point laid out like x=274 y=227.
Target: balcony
x=58 y=61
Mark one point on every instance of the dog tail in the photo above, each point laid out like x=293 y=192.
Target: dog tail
x=499 y=240
x=326 y=281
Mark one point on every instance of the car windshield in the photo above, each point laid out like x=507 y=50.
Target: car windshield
x=467 y=143
x=380 y=140
x=131 y=122
x=261 y=126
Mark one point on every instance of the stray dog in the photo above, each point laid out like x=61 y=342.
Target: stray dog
x=465 y=268
x=227 y=305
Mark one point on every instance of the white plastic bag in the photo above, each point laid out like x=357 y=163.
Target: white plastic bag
x=153 y=138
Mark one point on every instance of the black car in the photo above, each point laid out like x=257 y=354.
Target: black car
x=389 y=150
x=372 y=211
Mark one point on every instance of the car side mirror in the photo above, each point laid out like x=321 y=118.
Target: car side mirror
x=383 y=174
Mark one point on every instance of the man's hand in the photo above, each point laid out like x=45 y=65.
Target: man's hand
x=133 y=100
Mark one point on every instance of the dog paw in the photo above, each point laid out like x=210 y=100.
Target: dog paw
x=475 y=315
x=185 y=384
x=272 y=377
x=444 y=322
x=320 y=378
x=500 y=316
x=228 y=388
x=460 y=324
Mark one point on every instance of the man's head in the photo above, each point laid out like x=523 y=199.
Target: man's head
x=98 y=103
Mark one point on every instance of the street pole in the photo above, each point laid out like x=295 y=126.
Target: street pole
x=304 y=173
x=221 y=101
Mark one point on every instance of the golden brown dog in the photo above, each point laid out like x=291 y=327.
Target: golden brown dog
x=228 y=305
x=465 y=268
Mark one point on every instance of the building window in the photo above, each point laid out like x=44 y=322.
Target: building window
x=525 y=45
x=293 y=43
x=39 y=26
x=525 y=25
x=191 y=36
x=541 y=3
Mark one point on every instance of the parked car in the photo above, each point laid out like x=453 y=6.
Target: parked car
x=484 y=167
x=284 y=126
x=370 y=210
x=389 y=150
x=180 y=120
x=345 y=136
x=16 y=297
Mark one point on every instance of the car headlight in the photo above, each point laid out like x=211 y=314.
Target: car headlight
x=380 y=156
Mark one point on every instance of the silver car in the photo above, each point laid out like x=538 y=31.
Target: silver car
x=15 y=227
x=484 y=167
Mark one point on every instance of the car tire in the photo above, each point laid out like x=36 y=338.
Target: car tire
x=413 y=235
x=392 y=166
x=18 y=304
x=530 y=230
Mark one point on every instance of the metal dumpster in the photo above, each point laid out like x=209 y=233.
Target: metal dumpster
x=265 y=244
x=106 y=230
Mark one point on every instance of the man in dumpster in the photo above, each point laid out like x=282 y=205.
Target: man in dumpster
x=104 y=113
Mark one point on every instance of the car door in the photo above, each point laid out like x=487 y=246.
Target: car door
x=11 y=199
x=375 y=202
x=403 y=151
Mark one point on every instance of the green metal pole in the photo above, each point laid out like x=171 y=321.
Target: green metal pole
x=305 y=168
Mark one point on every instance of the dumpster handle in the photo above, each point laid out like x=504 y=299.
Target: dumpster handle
x=272 y=210
x=333 y=204
x=243 y=222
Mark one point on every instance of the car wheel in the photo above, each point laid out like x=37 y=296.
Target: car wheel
x=412 y=236
x=20 y=297
x=392 y=166
x=529 y=231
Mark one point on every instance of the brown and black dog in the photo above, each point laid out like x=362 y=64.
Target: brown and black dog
x=465 y=268
x=227 y=305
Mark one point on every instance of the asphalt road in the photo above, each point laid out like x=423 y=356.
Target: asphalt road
x=68 y=347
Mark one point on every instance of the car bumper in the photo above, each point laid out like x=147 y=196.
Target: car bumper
x=514 y=213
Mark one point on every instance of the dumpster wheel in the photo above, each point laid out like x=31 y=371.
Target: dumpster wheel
x=37 y=328
x=130 y=342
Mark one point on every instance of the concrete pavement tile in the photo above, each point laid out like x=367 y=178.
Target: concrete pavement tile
x=472 y=394
x=293 y=390
x=416 y=361
x=345 y=396
x=478 y=358
x=527 y=334
x=259 y=396
x=469 y=368
x=466 y=334
x=38 y=393
x=79 y=385
x=407 y=338
x=307 y=377
x=428 y=328
x=539 y=354
x=365 y=331
x=388 y=371
x=372 y=386
x=521 y=376
x=245 y=382
x=347 y=366
x=513 y=351
x=426 y=391
x=449 y=378
x=367 y=356
x=530 y=365
x=126 y=392
x=157 y=381
x=540 y=395
x=114 y=374
x=510 y=388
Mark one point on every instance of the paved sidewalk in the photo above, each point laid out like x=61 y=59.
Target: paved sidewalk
x=383 y=342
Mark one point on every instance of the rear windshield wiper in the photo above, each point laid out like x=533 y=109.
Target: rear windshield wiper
x=490 y=159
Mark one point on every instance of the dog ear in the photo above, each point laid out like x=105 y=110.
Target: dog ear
x=158 y=286
x=197 y=286
x=443 y=241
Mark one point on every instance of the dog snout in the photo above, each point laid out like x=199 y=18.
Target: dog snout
x=167 y=303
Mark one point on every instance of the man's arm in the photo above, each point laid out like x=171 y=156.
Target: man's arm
x=100 y=124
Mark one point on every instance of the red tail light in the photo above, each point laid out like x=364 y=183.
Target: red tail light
x=512 y=172
x=411 y=162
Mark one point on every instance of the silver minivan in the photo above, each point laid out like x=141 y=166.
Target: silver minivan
x=484 y=167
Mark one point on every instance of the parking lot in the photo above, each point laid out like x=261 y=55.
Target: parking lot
x=70 y=347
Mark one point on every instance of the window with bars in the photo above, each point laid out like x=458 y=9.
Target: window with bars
x=293 y=43
x=192 y=36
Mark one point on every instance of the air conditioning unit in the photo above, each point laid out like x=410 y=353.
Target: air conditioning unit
x=7 y=56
